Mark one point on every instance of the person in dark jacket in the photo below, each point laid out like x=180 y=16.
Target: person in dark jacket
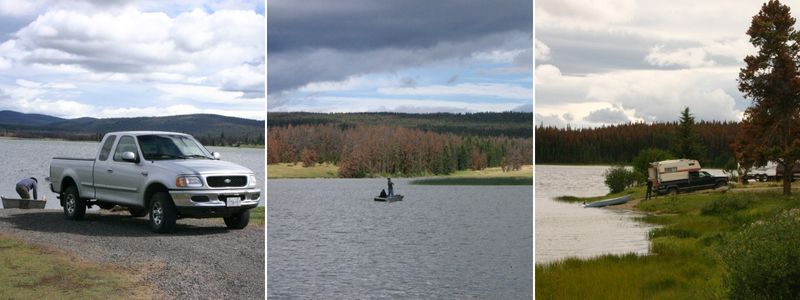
x=649 y=190
x=391 y=187
x=25 y=186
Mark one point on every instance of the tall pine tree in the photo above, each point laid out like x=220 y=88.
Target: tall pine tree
x=771 y=80
x=687 y=141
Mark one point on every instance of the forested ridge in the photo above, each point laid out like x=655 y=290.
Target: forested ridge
x=404 y=144
x=510 y=124
x=619 y=144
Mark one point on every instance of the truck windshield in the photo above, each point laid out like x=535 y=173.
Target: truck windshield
x=159 y=147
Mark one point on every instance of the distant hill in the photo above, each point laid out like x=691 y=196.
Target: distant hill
x=209 y=129
x=511 y=124
x=18 y=118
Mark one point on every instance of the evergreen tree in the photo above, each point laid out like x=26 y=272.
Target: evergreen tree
x=687 y=143
x=770 y=80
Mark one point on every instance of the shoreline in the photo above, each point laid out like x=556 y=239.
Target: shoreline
x=88 y=141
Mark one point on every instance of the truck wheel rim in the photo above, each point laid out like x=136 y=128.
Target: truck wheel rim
x=70 y=204
x=157 y=211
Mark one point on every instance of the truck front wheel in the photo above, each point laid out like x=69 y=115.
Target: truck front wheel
x=74 y=206
x=162 y=213
x=238 y=221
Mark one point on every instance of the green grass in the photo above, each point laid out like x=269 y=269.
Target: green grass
x=28 y=272
x=683 y=261
x=475 y=181
x=257 y=215
x=287 y=170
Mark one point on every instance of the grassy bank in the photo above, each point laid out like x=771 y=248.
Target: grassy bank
x=30 y=272
x=685 y=261
x=475 y=181
x=257 y=215
x=287 y=170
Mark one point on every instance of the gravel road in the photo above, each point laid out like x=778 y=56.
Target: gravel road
x=201 y=259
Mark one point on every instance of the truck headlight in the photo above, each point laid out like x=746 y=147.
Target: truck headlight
x=251 y=181
x=188 y=181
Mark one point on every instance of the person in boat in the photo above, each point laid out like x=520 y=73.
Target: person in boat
x=649 y=193
x=25 y=186
x=391 y=187
x=383 y=194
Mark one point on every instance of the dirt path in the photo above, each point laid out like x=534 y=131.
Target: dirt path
x=202 y=259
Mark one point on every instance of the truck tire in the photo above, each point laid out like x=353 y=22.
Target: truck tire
x=162 y=213
x=74 y=206
x=238 y=221
x=672 y=191
x=137 y=212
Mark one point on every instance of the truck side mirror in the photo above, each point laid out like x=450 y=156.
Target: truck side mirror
x=216 y=155
x=129 y=156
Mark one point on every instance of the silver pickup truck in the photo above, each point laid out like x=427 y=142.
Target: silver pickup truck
x=167 y=175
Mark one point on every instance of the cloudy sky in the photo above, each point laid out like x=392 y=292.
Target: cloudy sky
x=126 y=58
x=407 y=56
x=612 y=61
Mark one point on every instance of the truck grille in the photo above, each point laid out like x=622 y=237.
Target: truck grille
x=226 y=181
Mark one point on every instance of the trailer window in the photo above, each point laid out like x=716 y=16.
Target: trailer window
x=671 y=169
x=107 y=147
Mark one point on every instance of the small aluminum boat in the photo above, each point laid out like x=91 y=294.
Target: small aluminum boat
x=390 y=198
x=22 y=203
x=607 y=202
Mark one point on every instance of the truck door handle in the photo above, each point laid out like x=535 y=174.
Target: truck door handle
x=144 y=173
x=110 y=171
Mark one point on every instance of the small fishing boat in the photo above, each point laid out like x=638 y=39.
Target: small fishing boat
x=22 y=203
x=607 y=202
x=390 y=198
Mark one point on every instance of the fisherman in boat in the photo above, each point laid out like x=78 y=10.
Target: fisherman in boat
x=391 y=187
x=25 y=186
x=383 y=194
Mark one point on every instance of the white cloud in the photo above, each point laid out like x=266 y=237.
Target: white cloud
x=542 y=51
x=644 y=95
x=689 y=57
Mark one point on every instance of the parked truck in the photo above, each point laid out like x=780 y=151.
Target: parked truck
x=165 y=175
x=772 y=171
x=682 y=175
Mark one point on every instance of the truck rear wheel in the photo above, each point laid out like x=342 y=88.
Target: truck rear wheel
x=238 y=221
x=672 y=191
x=162 y=213
x=74 y=206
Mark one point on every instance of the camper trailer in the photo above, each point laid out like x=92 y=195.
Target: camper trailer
x=681 y=175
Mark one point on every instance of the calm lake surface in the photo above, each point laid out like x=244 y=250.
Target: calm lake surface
x=328 y=239
x=26 y=158
x=569 y=230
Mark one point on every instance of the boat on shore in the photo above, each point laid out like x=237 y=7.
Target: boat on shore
x=389 y=198
x=22 y=203
x=607 y=202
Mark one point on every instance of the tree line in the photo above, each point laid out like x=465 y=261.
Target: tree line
x=364 y=150
x=619 y=144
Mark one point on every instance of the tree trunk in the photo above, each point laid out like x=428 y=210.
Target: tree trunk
x=788 y=175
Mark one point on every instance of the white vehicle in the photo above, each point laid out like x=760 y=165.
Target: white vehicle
x=771 y=171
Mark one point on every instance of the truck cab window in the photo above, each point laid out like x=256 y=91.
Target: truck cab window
x=126 y=143
x=107 y=147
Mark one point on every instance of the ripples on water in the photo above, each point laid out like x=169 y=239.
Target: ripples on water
x=26 y=158
x=569 y=230
x=329 y=240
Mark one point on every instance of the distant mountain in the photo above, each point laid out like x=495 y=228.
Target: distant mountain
x=18 y=118
x=210 y=129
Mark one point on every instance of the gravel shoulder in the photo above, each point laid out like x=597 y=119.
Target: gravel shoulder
x=201 y=259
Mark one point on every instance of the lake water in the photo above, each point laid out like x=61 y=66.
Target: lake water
x=569 y=230
x=328 y=239
x=27 y=157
